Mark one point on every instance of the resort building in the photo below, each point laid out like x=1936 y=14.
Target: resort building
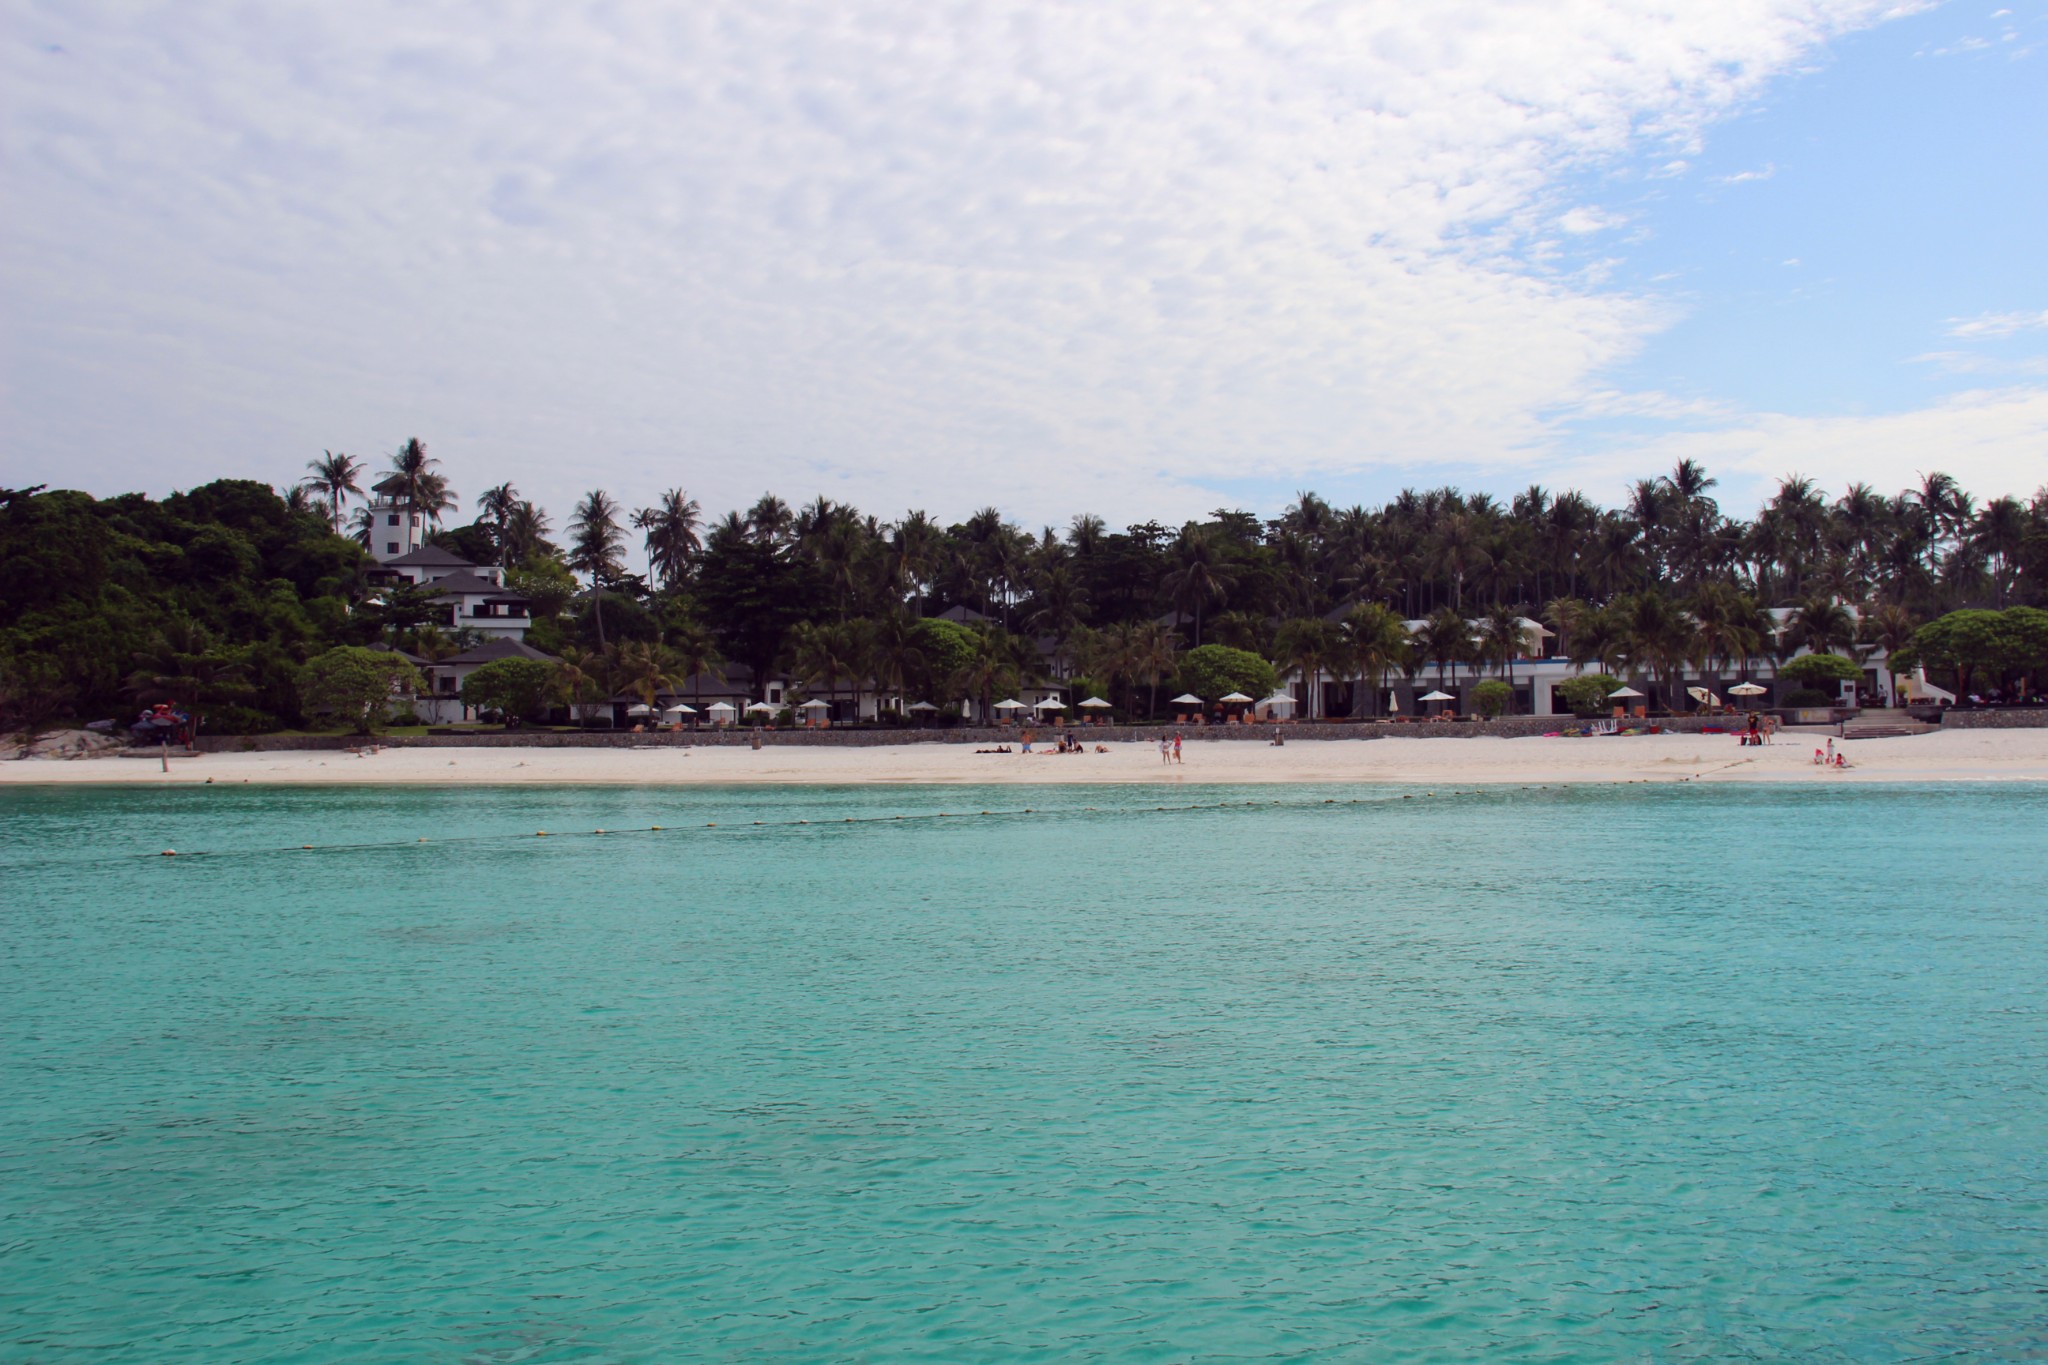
x=475 y=594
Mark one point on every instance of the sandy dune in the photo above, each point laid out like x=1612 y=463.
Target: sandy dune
x=1966 y=756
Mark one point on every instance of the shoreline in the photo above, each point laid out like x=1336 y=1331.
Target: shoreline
x=1966 y=756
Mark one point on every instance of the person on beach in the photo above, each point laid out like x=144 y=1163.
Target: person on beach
x=1176 y=746
x=1026 y=737
x=1165 y=749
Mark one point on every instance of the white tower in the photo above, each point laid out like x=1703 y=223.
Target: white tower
x=396 y=526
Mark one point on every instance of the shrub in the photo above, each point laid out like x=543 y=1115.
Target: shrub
x=1491 y=697
x=1814 y=669
x=1808 y=696
x=1587 y=695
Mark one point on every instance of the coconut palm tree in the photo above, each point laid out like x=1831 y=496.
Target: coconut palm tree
x=335 y=478
x=695 y=651
x=1502 y=638
x=670 y=535
x=524 y=535
x=646 y=670
x=1200 y=576
x=427 y=491
x=1820 y=624
x=1309 y=645
x=583 y=677
x=1375 y=641
x=1446 y=638
x=596 y=541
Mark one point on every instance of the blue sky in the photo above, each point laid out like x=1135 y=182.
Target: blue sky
x=1141 y=260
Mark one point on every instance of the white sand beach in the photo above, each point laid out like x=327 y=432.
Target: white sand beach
x=1962 y=756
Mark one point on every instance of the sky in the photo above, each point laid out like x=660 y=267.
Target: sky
x=1142 y=259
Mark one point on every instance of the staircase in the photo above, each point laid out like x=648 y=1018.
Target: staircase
x=1878 y=723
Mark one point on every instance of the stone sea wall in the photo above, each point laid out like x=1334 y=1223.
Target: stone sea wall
x=2017 y=718
x=1512 y=727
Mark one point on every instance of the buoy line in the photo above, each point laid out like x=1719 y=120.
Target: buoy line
x=1310 y=803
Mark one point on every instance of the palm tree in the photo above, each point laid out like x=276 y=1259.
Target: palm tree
x=524 y=535
x=695 y=651
x=335 y=478
x=896 y=653
x=1375 y=641
x=1503 y=637
x=582 y=677
x=427 y=491
x=670 y=528
x=1200 y=576
x=1309 y=645
x=1820 y=624
x=646 y=670
x=1154 y=654
x=1657 y=637
x=594 y=547
x=1446 y=638
x=495 y=505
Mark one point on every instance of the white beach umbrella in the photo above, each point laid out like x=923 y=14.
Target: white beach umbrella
x=1011 y=704
x=1186 y=699
x=1234 y=698
x=920 y=706
x=680 y=710
x=814 y=705
x=1049 y=704
x=1623 y=691
x=755 y=708
x=1702 y=696
x=1436 y=696
x=639 y=708
x=1279 y=699
x=1095 y=703
x=721 y=706
x=1747 y=689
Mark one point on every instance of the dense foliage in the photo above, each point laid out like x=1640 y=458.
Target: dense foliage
x=218 y=597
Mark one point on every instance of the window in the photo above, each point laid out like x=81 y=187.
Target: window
x=390 y=547
x=391 y=520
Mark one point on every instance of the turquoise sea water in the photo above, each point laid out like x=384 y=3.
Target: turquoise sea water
x=1601 y=1074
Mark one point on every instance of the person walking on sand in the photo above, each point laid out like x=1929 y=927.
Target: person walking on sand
x=1165 y=749
x=1176 y=746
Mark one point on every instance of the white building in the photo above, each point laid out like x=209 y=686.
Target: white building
x=475 y=594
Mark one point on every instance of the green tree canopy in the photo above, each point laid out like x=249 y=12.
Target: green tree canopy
x=1212 y=671
x=356 y=686
x=1814 y=669
x=515 y=688
x=1491 y=697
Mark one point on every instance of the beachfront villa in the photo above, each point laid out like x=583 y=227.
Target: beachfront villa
x=1536 y=673
x=474 y=595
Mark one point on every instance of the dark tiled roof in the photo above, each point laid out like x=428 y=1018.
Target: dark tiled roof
x=494 y=650
x=961 y=615
x=429 y=557
x=472 y=584
x=383 y=648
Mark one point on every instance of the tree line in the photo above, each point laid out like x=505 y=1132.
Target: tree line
x=231 y=588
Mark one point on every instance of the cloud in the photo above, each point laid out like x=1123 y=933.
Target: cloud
x=1744 y=177
x=1989 y=439
x=1051 y=256
x=1996 y=325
